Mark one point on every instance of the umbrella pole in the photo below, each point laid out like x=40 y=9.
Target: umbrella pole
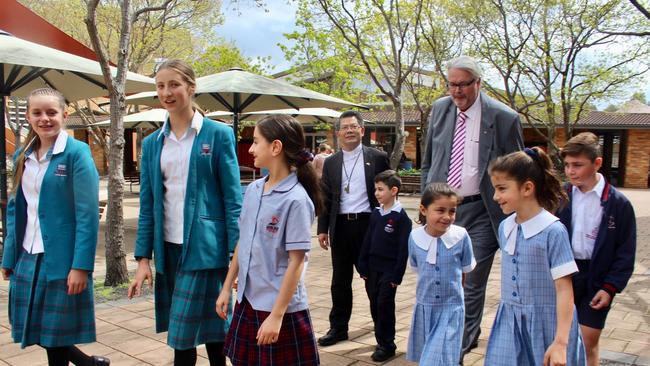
x=235 y=125
x=3 y=166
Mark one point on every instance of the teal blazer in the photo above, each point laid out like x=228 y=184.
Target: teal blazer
x=212 y=200
x=68 y=211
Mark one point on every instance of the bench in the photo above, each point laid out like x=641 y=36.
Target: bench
x=132 y=178
x=102 y=208
x=410 y=184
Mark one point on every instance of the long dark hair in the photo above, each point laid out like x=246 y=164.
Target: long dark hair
x=535 y=166
x=286 y=129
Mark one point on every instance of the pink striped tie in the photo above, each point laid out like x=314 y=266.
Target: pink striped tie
x=457 y=151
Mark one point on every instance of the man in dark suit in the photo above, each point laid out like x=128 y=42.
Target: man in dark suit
x=349 y=189
x=468 y=129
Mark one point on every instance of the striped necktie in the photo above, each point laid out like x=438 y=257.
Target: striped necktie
x=457 y=152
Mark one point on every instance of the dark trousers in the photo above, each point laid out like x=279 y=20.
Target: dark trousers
x=382 y=308
x=474 y=217
x=345 y=253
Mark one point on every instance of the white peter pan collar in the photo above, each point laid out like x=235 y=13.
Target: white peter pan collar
x=529 y=228
x=427 y=242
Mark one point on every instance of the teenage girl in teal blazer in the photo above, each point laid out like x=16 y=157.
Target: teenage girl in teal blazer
x=190 y=199
x=52 y=224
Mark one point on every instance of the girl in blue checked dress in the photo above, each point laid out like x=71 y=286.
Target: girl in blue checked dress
x=52 y=223
x=536 y=322
x=441 y=254
x=271 y=323
x=190 y=198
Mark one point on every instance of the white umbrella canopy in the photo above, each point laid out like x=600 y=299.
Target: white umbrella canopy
x=239 y=92
x=303 y=115
x=25 y=66
x=152 y=118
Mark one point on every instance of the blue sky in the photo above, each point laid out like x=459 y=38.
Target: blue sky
x=257 y=31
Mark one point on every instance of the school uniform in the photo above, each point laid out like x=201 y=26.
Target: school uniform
x=52 y=224
x=534 y=254
x=382 y=261
x=190 y=199
x=272 y=224
x=436 y=334
x=603 y=242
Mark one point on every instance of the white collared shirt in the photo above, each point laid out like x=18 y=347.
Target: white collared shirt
x=31 y=183
x=454 y=235
x=586 y=216
x=175 y=166
x=357 y=199
x=396 y=207
x=470 y=179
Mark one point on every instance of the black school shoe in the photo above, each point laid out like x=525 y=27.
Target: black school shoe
x=381 y=355
x=332 y=337
x=101 y=361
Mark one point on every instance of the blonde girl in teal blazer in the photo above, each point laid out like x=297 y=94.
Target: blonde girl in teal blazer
x=52 y=224
x=190 y=199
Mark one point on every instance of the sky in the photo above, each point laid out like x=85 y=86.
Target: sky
x=257 y=31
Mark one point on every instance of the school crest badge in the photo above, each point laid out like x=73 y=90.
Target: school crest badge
x=61 y=170
x=273 y=226
x=390 y=226
x=206 y=150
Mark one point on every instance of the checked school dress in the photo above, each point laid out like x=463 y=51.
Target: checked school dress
x=272 y=223
x=439 y=312
x=534 y=254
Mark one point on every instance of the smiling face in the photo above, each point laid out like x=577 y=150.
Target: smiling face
x=174 y=93
x=463 y=87
x=440 y=214
x=349 y=133
x=508 y=193
x=46 y=116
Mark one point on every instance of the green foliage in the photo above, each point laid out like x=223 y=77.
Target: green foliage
x=179 y=32
x=222 y=55
x=405 y=172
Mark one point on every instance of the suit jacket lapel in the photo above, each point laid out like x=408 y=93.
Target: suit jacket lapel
x=486 y=136
x=449 y=124
x=192 y=187
x=157 y=172
x=336 y=175
x=369 y=170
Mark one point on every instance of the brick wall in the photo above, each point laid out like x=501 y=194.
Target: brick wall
x=411 y=145
x=637 y=159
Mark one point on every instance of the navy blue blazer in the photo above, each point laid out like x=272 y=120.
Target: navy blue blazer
x=612 y=261
x=68 y=210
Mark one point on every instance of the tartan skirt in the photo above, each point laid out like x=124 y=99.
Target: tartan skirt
x=41 y=311
x=185 y=303
x=296 y=343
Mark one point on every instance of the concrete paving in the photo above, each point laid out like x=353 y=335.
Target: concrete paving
x=126 y=328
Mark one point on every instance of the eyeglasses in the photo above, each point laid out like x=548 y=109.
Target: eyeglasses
x=353 y=127
x=461 y=85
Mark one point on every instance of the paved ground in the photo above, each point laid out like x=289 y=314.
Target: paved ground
x=126 y=328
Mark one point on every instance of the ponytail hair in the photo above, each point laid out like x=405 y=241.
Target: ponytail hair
x=33 y=141
x=286 y=129
x=534 y=165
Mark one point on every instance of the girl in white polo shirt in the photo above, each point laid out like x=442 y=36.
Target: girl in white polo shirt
x=271 y=323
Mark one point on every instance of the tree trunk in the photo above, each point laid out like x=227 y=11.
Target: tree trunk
x=116 y=270
x=398 y=148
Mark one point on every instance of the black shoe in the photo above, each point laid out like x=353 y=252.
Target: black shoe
x=101 y=361
x=332 y=337
x=381 y=355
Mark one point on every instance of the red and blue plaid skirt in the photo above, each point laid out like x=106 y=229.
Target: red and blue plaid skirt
x=42 y=312
x=296 y=343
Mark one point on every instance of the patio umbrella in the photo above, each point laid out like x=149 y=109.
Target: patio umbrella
x=25 y=66
x=152 y=118
x=239 y=92
x=303 y=115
